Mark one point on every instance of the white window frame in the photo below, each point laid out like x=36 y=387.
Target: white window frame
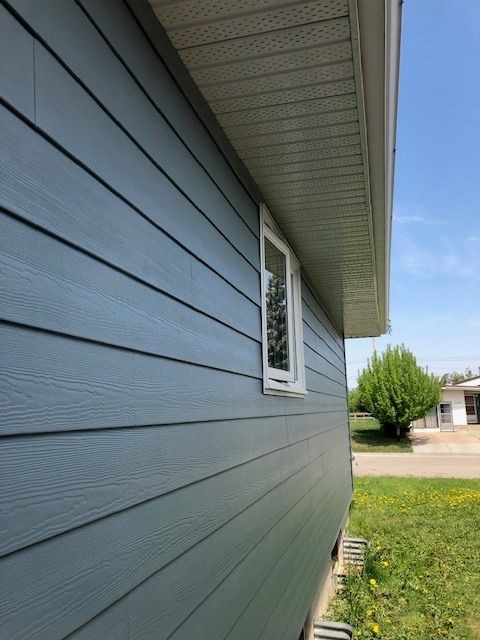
x=277 y=381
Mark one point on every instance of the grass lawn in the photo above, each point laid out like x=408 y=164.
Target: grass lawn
x=422 y=573
x=368 y=437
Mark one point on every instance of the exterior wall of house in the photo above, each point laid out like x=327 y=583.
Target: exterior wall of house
x=149 y=488
x=457 y=398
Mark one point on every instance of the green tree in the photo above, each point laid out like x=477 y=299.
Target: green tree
x=457 y=376
x=396 y=391
x=354 y=401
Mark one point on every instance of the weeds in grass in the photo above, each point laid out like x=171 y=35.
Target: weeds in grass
x=421 y=578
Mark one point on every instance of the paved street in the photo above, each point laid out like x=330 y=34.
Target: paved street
x=420 y=465
x=441 y=455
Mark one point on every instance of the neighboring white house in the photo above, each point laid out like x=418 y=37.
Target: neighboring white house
x=459 y=406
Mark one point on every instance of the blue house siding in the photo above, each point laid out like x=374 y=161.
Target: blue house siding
x=149 y=488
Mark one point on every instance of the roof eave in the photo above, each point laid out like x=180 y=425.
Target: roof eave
x=380 y=59
x=376 y=27
x=458 y=387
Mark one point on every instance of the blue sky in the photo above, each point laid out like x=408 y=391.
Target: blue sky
x=435 y=279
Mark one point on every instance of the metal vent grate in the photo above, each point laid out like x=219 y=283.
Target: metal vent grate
x=288 y=110
x=190 y=25
x=276 y=142
x=265 y=85
x=255 y=101
x=354 y=551
x=298 y=142
x=332 y=167
x=189 y=12
x=289 y=204
x=287 y=177
x=331 y=157
x=305 y=167
x=308 y=187
x=288 y=124
x=329 y=630
x=267 y=43
x=274 y=63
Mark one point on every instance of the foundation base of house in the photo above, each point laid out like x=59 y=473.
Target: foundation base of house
x=327 y=588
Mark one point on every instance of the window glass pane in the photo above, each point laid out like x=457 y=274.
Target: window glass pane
x=275 y=291
x=470 y=406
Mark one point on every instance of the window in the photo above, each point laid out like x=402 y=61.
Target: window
x=282 y=336
x=470 y=406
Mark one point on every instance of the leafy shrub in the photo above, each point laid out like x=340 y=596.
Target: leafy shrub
x=355 y=401
x=396 y=390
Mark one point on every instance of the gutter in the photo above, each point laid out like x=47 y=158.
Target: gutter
x=380 y=68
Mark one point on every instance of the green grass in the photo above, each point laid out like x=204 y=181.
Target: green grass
x=367 y=436
x=422 y=572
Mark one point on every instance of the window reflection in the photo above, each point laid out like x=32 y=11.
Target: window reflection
x=276 y=303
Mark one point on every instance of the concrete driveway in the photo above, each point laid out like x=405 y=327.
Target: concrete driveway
x=435 y=455
x=457 y=442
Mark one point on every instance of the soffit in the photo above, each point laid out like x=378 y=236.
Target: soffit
x=284 y=81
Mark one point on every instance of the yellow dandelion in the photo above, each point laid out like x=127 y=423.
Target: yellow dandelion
x=376 y=628
x=373 y=582
x=385 y=563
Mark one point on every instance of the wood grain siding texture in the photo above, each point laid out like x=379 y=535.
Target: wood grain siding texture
x=16 y=72
x=149 y=488
x=47 y=189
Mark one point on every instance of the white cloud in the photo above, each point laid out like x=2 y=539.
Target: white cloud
x=447 y=257
x=407 y=219
x=416 y=214
x=417 y=220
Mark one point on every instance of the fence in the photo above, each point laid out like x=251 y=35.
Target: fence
x=360 y=416
x=430 y=421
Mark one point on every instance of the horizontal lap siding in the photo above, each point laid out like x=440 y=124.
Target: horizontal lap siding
x=47 y=189
x=149 y=488
x=62 y=289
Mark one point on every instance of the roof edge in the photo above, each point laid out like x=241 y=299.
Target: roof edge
x=379 y=23
x=458 y=387
x=466 y=380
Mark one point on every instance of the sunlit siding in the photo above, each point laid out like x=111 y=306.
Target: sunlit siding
x=149 y=488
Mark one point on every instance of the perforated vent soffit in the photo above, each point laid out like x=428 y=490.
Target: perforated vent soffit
x=283 y=80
